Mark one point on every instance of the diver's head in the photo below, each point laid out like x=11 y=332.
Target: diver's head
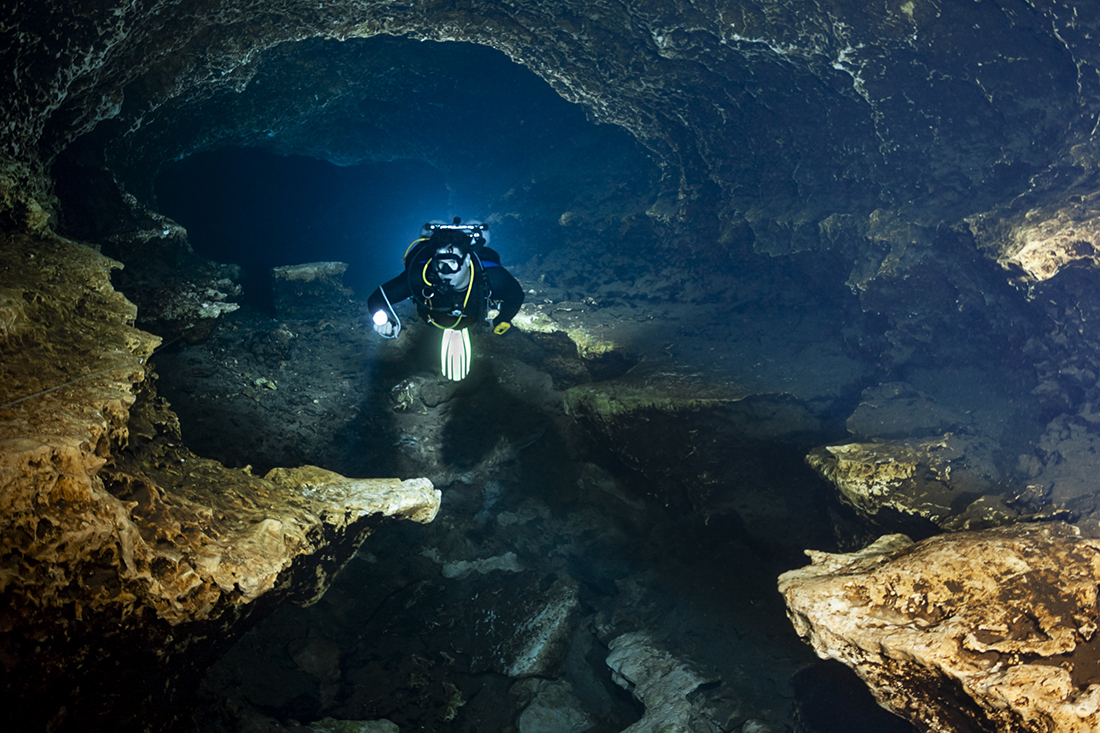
x=452 y=267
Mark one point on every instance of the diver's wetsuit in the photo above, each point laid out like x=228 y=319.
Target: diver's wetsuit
x=502 y=288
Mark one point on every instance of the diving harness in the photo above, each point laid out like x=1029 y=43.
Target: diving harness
x=455 y=353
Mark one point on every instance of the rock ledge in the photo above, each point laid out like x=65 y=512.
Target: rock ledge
x=975 y=631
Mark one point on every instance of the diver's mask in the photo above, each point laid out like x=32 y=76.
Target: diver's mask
x=451 y=268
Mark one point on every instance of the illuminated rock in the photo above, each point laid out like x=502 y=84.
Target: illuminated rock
x=128 y=562
x=974 y=631
x=933 y=480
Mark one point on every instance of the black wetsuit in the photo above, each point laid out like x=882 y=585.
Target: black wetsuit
x=491 y=283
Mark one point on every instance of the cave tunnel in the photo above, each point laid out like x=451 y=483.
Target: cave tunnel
x=795 y=282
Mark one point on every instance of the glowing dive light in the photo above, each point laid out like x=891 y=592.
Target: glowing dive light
x=380 y=317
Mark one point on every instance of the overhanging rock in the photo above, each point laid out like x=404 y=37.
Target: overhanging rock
x=973 y=631
x=127 y=561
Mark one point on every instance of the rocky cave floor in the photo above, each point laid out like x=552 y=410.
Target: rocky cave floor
x=544 y=540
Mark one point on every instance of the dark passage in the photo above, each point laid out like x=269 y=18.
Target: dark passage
x=259 y=210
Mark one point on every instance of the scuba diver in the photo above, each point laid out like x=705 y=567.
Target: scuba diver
x=456 y=281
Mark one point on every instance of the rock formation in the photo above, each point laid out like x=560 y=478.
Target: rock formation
x=314 y=285
x=668 y=687
x=949 y=482
x=865 y=234
x=128 y=560
x=973 y=631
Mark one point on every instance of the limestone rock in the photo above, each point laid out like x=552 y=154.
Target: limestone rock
x=414 y=500
x=314 y=288
x=1062 y=470
x=931 y=480
x=898 y=410
x=974 y=631
x=310 y=272
x=668 y=687
x=526 y=634
x=176 y=291
x=1046 y=239
x=128 y=560
x=555 y=709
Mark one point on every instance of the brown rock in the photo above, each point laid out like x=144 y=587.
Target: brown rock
x=935 y=479
x=126 y=562
x=975 y=631
x=1046 y=239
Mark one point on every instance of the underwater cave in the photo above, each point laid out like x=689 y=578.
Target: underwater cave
x=793 y=432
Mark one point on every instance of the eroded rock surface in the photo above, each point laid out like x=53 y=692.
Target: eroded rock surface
x=127 y=559
x=668 y=687
x=974 y=631
x=935 y=480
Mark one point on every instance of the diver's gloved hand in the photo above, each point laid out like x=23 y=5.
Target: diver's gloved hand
x=383 y=325
x=501 y=328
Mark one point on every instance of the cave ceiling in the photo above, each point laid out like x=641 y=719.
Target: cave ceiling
x=778 y=115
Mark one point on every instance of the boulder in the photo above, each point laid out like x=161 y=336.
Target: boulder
x=972 y=631
x=555 y=709
x=313 y=289
x=677 y=693
x=911 y=484
x=525 y=631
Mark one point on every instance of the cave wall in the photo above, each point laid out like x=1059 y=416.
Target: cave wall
x=777 y=128
x=128 y=561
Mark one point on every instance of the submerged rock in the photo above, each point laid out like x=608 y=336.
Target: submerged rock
x=1062 y=470
x=895 y=483
x=526 y=634
x=974 y=631
x=555 y=709
x=128 y=561
x=722 y=444
x=668 y=687
x=898 y=410
x=314 y=288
